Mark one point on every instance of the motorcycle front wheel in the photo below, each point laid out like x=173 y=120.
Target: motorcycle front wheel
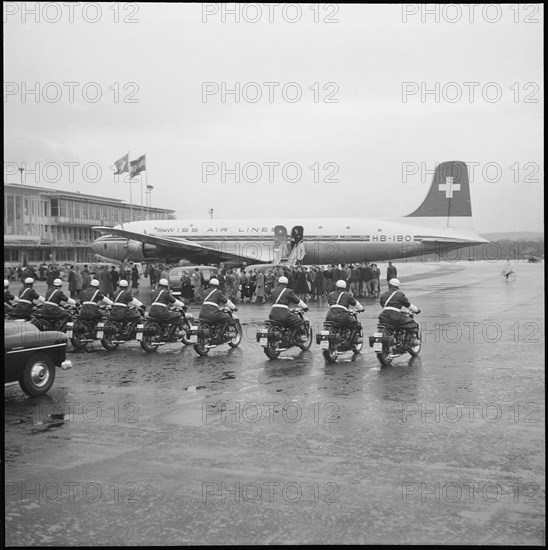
x=235 y=342
x=185 y=339
x=271 y=351
x=330 y=355
x=415 y=350
x=308 y=342
x=200 y=348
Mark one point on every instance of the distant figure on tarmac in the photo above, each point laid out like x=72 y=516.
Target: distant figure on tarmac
x=508 y=269
x=391 y=272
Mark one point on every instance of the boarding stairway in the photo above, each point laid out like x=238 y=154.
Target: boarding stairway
x=283 y=255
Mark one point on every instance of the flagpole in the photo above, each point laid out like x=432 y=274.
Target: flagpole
x=147 y=192
x=130 y=194
x=141 y=179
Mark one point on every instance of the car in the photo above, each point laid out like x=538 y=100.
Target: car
x=175 y=282
x=31 y=356
x=533 y=260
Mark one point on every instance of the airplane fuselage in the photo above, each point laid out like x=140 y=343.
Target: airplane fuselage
x=325 y=241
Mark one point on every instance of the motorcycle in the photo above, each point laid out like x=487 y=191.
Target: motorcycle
x=336 y=340
x=84 y=330
x=390 y=342
x=8 y=311
x=209 y=334
x=118 y=331
x=44 y=322
x=154 y=333
x=275 y=338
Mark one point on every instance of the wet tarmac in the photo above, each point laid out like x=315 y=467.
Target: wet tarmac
x=130 y=448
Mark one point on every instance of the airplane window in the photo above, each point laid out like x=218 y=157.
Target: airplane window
x=347 y=227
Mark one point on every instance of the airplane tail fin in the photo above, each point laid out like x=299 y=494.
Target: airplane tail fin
x=448 y=201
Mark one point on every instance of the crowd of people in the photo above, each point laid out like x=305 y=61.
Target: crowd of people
x=255 y=285
x=240 y=284
x=79 y=279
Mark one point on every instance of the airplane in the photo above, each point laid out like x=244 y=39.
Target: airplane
x=442 y=224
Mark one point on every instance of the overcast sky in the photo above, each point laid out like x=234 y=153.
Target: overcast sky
x=151 y=74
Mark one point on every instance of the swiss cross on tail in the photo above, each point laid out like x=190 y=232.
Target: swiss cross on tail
x=449 y=186
x=449 y=194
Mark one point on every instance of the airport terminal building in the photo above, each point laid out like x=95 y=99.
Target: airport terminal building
x=51 y=226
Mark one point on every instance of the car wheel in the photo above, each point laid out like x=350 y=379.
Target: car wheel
x=38 y=376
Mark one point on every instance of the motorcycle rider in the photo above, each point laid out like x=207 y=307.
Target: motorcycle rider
x=392 y=301
x=90 y=300
x=122 y=299
x=338 y=313
x=52 y=306
x=281 y=298
x=211 y=310
x=161 y=298
x=8 y=296
x=24 y=306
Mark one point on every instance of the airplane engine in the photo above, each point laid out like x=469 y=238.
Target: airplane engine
x=152 y=252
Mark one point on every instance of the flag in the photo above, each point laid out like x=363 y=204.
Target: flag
x=137 y=166
x=122 y=164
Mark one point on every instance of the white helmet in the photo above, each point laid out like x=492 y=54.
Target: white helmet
x=57 y=282
x=214 y=282
x=6 y=283
x=94 y=282
x=340 y=283
x=122 y=283
x=394 y=282
x=283 y=280
x=163 y=282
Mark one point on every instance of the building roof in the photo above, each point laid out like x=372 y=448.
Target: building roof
x=75 y=195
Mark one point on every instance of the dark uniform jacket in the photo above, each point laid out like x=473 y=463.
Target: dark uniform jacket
x=392 y=301
x=281 y=298
x=398 y=300
x=90 y=298
x=161 y=298
x=122 y=297
x=8 y=296
x=338 y=313
x=26 y=296
x=214 y=298
x=54 y=297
